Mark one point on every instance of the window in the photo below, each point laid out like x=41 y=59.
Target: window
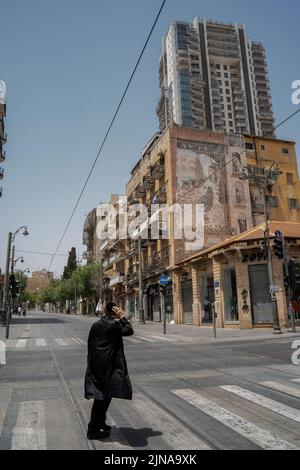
x=293 y=204
x=218 y=66
x=285 y=151
x=263 y=147
x=226 y=75
x=272 y=201
x=225 y=67
x=239 y=193
x=230 y=115
x=290 y=178
x=228 y=99
x=229 y=107
x=230 y=123
x=226 y=83
x=227 y=91
x=242 y=221
x=236 y=165
x=249 y=146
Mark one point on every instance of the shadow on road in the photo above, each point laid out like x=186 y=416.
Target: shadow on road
x=134 y=437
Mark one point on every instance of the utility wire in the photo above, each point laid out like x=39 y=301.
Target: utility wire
x=234 y=158
x=40 y=253
x=108 y=130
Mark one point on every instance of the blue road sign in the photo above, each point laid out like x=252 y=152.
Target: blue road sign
x=278 y=234
x=164 y=280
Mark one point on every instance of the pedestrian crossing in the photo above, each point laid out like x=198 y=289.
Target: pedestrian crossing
x=156 y=416
x=25 y=343
x=28 y=343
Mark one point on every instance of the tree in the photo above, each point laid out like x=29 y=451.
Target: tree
x=71 y=265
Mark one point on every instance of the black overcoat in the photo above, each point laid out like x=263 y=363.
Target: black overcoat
x=107 y=373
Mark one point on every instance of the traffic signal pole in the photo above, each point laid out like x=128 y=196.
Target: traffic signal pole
x=277 y=329
x=6 y=306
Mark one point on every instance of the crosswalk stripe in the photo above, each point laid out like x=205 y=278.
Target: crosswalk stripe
x=21 y=343
x=81 y=341
x=40 y=342
x=295 y=392
x=296 y=380
x=162 y=338
x=267 y=403
x=60 y=342
x=75 y=340
x=173 y=432
x=146 y=339
x=30 y=430
x=259 y=436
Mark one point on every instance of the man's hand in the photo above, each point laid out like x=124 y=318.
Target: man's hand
x=118 y=312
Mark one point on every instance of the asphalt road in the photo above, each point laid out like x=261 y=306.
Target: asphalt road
x=240 y=391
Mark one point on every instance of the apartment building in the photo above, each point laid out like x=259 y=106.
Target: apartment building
x=212 y=76
x=187 y=166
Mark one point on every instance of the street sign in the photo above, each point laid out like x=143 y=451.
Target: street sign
x=278 y=234
x=164 y=280
x=274 y=289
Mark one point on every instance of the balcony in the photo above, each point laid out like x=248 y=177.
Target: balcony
x=118 y=279
x=140 y=192
x=148 y=181
x=158 y=171
x=1 y=173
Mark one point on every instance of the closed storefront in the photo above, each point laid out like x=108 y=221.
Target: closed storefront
x=187 y=298
x=260 y=294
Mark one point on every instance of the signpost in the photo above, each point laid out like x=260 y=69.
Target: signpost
x=163 y=281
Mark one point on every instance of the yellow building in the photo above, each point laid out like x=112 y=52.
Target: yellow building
x=284 y=195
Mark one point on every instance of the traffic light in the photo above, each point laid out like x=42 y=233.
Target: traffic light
x=279 y=247
x=14 y=285
x=294 y=274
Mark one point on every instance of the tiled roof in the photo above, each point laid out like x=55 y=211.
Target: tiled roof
x=288 y=229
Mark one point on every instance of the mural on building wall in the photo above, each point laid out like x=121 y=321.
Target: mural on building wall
x=195 y=163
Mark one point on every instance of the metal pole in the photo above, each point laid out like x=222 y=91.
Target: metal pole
x=75 y=298
x=141 y=294
x=277 y=329
x=101 y=284
x=163 y=311
x=20 y=286
x=6 y=285
x=214 y=319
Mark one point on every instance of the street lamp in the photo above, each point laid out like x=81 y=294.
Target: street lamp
x=262 y=182
x=6 y=300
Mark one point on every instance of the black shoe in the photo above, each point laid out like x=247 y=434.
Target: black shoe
x=96 y=435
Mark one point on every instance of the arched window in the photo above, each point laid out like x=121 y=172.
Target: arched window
x=236 y=163
x=239 y=193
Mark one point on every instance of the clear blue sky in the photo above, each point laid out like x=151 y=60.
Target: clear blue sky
x=65 y=63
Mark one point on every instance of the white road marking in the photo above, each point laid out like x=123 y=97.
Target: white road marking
x=11 y=343
x=21 y=343
x=267 y=403
x=130 y=339
x=75 y=340
x=295 y=392
x=142 y=338
x=30 y=430
x=41 y=342
x=296 y=380
x=162 y=338
x=60 y=342
x=174 y=433
x=81 y=341
x=250 y=431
